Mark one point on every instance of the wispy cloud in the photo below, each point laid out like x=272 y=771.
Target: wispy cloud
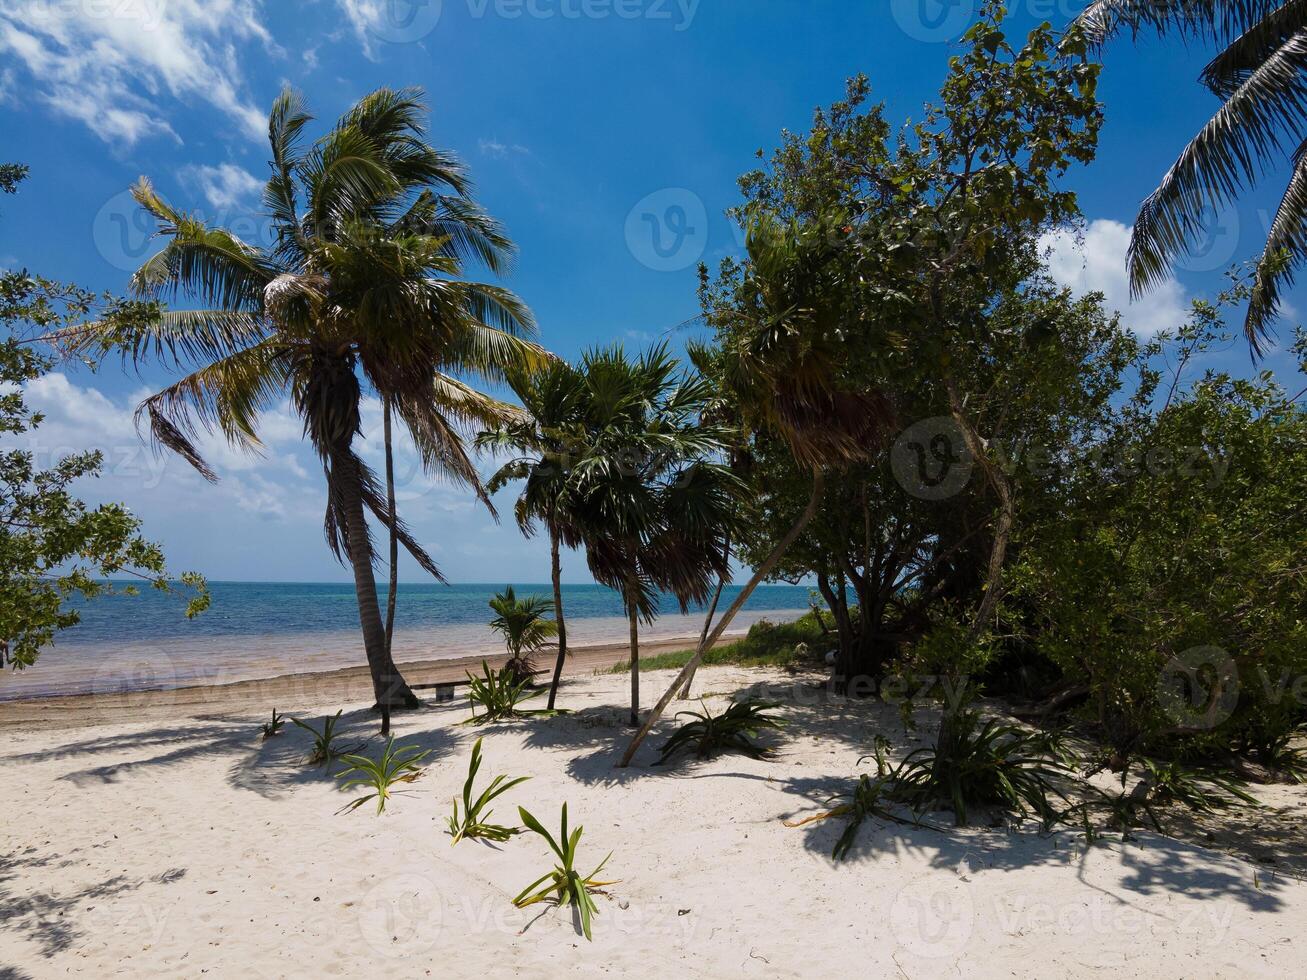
x=494 y=148
x=1095 y=262
x=226 y=187
x=109 y=65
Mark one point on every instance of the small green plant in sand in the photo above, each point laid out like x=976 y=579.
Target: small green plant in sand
x=274 y=727
x=398 y=766
x=325 y=750
x=564 y=885
x=734 y=729
x=1164 y=784
x=473 y=821
x=500 y=695
x=986 y=764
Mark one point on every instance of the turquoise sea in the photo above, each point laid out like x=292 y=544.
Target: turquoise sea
x=257 y=630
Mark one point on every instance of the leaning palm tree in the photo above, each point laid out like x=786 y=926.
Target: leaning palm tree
x=777 y=361
x=1260 y=76
x=648 y=492
x=362 y=291
x=544 y=439
x=525 y=627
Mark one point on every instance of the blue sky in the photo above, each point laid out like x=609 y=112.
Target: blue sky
x=606 y=134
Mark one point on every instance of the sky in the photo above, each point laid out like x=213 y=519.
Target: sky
x=606 y=134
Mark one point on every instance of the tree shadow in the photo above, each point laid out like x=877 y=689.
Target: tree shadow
x=49 y=919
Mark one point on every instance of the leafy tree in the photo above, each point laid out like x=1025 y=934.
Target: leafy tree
x=362 y=288
x=874 y=272
x=1259 y=77
x=525 y=628
x=52 y=545
x=544 y=438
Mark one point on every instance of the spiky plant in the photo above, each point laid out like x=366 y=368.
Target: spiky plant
x=325 y=750
x=499 y=694
x=526 y=629
x=273 y=727
x=565 y=885
x=398 y=766
x=733 y=730
x=473 y=822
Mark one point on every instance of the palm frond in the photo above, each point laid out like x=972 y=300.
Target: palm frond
x=1285 y=245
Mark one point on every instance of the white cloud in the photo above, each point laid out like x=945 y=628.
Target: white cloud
x=226 y=187
x=107 y=63
x=494 y=148
x=1096 y=263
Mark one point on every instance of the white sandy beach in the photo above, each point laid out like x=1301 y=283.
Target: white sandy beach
x=191 y=847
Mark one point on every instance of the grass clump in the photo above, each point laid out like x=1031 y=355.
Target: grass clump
x=397 y=766
x=273 y=727
x=566 y=886
x=325 y=750
x=733 y=730
x=766 y=645
x=473 y=822
x=500 y=695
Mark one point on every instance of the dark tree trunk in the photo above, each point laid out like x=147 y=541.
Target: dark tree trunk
x=557 y=569
x=388 y=683
x=394 y=537
x=634 y=613
x=787 y=542
x=707 y=625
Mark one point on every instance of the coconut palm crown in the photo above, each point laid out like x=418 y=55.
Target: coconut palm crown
x=359 y=291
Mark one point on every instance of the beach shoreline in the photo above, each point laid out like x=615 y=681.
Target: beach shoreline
x=292 y=692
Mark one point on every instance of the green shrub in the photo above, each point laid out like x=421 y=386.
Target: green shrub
x=324 y=750
x=473 y=822
x=397 y=766
x=767 y=644
x=500 y=694
x=565 y=885
x=273 y=727
x=734 y=729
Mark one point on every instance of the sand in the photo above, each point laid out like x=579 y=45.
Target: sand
x=189 y=847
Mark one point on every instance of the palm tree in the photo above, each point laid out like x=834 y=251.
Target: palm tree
x=647 y=491
x=545 y=436
x=1260 y=76
x=362 y=290
x=525 y=628
x=781 y=341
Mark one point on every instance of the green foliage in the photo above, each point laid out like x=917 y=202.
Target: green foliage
x=796 y=643
x=273 y=727
x=565 y=885
x=733 y=730
x=398 y=766
x=325 y=750
x=990 y=764
x=473 y=823
x=54 y=547
x=525 y=628
x=499 y=694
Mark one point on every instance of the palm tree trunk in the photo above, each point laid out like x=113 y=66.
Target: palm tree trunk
x=388 y=684
x=634 y=613
x=707 y=625
x=557 y=570
x=394 y=537
x=765 y=569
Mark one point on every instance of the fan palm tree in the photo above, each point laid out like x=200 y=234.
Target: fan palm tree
x=781 y=342
x=525 y=629
x=545 y=438
x=361 y=290
x=647 y=492
x=1260 y=76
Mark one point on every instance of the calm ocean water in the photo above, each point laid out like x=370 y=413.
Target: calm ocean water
x=256 y=630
